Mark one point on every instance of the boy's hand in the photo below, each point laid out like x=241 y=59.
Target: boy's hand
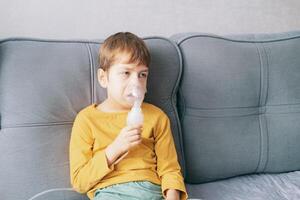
x=172 y=194
x=129 y=137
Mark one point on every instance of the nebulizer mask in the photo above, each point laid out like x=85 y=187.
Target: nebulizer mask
x=136 y=96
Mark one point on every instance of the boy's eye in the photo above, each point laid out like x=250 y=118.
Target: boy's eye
x=144 y=75
x=125 y=73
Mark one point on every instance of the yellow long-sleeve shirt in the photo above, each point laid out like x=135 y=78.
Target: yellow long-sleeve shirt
x=154 y=160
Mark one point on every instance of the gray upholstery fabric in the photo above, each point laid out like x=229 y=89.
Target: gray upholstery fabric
x=239 y=104
x=44 y=84
x=282 y=186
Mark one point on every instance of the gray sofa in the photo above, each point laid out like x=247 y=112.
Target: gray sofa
x=233 y=101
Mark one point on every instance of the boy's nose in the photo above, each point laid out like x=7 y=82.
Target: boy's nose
x=134 y=79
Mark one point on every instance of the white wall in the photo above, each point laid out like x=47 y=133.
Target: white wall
x=94 y=19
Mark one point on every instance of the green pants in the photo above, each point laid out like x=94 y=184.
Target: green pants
x=134 y=190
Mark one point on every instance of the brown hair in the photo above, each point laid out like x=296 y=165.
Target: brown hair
x=125 y=43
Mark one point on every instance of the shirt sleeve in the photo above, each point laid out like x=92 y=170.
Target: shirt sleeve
x=168 y=167
x=87 y=168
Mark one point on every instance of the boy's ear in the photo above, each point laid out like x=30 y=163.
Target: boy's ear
x=102 y=77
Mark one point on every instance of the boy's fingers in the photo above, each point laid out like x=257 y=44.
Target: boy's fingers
x=130 y=128
x=134 y=138
x=135 y=127
x=135 y=143
x=134 y=132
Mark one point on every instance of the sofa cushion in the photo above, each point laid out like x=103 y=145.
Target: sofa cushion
x=239 y=104
x=43 y=85
x=283 y=186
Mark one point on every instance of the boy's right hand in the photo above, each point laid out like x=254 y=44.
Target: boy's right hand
x=129 y=137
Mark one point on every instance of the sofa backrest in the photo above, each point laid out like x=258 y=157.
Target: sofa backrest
x=43 y=85
x=239 y=104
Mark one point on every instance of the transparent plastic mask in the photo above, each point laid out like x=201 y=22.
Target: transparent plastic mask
x=136 y=95
x=135 y=116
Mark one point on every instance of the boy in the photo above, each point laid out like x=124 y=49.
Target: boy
x=112 y=160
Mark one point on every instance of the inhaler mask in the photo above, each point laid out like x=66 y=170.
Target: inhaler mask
x=137 y=95
x=135 y=116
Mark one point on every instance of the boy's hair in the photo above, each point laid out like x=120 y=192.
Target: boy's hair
x=125 y=43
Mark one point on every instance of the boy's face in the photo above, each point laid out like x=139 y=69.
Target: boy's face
x=119 y=80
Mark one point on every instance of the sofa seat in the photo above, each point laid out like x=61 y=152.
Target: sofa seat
x=283 y=186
